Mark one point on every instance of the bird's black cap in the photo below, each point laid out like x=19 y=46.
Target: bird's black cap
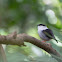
x=41 y=25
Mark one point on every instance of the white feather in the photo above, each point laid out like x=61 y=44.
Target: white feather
x=41 y=34
x=42 y=27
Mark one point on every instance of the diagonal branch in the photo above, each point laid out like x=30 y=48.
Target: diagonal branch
x=19 y=39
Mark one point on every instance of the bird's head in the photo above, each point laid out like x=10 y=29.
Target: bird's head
x=42 y=26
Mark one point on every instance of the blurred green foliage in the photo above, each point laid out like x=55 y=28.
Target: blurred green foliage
x=23 y=16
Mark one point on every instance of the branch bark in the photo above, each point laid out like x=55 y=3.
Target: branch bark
x=19 y=39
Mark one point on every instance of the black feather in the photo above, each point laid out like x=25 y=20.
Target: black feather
x=41 y=25
x=48 y=33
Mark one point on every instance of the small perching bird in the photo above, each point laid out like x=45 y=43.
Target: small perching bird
x=45 y=33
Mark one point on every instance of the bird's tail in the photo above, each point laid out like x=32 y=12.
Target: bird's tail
x=56 y=40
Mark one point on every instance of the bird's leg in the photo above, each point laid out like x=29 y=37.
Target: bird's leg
x=47 y=43
x=43 y=41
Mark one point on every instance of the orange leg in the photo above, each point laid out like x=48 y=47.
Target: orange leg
x=47 y=43
x=43 y=41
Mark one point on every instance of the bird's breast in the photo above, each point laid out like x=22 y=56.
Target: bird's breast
x=42 y=35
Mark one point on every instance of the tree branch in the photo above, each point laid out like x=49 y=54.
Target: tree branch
x=19 y=39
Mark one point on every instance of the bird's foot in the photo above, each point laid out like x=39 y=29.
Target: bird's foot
x=43 y=41
x=48 y=44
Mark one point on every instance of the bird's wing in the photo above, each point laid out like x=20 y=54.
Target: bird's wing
x=48 y=33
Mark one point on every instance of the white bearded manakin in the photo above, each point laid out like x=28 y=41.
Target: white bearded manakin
x=45 y=33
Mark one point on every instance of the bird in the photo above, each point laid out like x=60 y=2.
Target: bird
x=45 y=33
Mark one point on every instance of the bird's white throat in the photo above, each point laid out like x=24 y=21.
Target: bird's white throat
x=42 y=28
